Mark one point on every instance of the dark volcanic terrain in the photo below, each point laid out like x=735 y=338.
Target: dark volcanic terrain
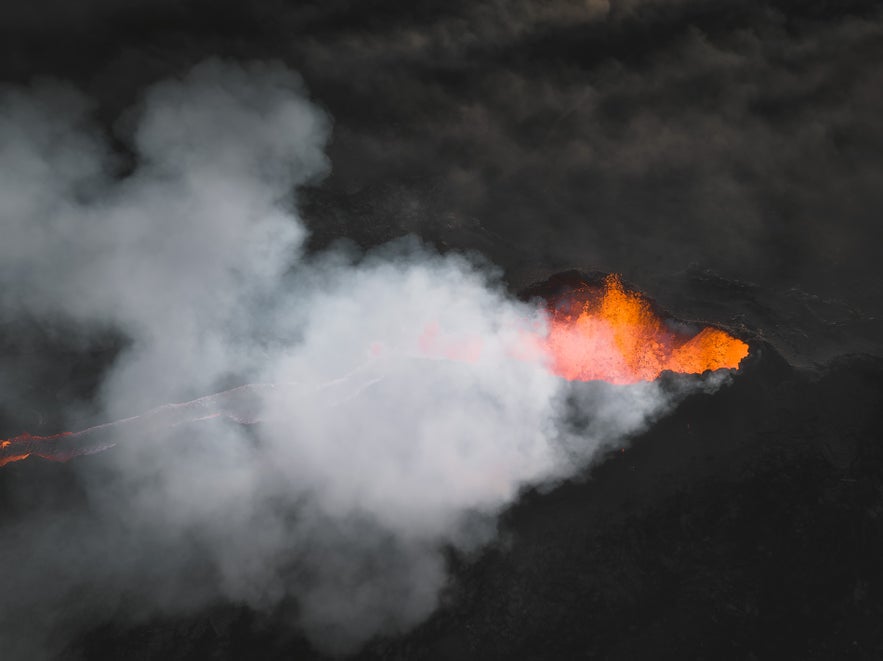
x=725 y=157
x=746 y=524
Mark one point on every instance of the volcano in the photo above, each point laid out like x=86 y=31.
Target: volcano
x=349 y=230
x=715 y=523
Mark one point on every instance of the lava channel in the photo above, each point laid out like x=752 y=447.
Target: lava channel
x=593 y=332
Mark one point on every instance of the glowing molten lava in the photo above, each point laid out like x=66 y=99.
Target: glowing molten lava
x=594 y=332
x=25 y=445
x=612 y=334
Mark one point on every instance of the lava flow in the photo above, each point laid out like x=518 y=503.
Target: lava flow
x=243 y=405
x=594 y=332
x=609 y=333
x=238 y=404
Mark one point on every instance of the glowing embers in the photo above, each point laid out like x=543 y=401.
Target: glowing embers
x=612 y=334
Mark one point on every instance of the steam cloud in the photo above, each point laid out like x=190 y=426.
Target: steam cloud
x=376 y=455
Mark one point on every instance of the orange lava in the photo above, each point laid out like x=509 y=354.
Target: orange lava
x=12 y=458
x=597 y=332
x=613 y=334
x=23 y=446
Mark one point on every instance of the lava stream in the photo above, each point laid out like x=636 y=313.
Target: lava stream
x=594 y=332
x=236 y=404
x=242 y=404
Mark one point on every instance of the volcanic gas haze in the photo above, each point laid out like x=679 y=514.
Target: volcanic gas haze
x=338 y=491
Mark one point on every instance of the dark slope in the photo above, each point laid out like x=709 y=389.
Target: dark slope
x=724 y=156
x=747 y=524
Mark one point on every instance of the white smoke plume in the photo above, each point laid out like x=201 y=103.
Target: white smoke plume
x=379 y=450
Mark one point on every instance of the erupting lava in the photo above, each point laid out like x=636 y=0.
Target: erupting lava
x=595 y=332
x=612 y=334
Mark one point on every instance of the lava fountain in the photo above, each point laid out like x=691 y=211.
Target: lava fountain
x=593 y=332
x=609 y=333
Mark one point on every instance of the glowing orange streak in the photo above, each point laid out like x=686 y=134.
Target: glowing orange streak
x=241 y=404
x=23 y=446
x=612 y=335
x=238 y=404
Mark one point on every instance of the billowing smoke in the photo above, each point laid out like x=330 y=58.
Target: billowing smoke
x=403 y=420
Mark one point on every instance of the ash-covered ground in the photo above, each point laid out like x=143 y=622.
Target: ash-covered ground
x=725 y=157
